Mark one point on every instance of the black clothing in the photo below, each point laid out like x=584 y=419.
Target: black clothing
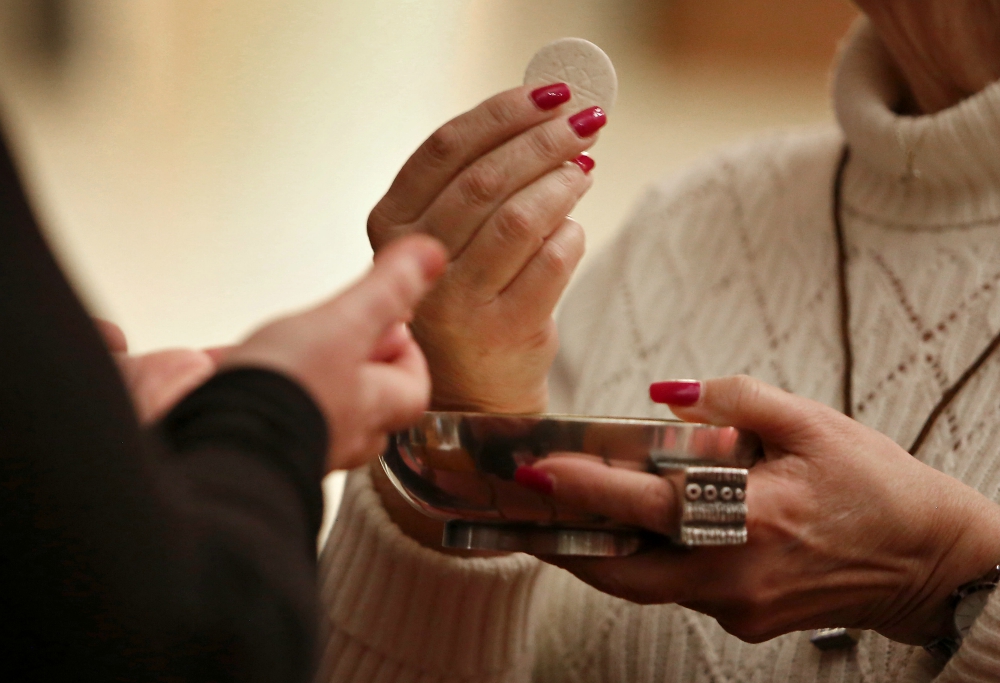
x=184 y=553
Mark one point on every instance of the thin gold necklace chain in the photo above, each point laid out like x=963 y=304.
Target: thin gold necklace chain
x=845 y=323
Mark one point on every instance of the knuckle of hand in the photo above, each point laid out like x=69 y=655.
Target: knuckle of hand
x=826 y=422
x=516 y=224
x=545 y=143
x=442 y=146
x=501 y=110
x=542 y=344
x=571 y=182
x=563 y=188
x=378 y=226
x=555 y=258
x=560 y=257
x=482 y=185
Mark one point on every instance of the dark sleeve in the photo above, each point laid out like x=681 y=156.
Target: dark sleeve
x=183 y=553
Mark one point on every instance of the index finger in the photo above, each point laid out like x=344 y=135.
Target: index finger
x=454 y=146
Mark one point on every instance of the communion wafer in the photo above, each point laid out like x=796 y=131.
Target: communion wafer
x=580 y=64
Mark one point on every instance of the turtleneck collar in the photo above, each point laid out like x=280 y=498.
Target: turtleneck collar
x=934 y=172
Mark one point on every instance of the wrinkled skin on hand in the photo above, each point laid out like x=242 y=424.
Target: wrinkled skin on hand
x=495 y=185
x=845 y=527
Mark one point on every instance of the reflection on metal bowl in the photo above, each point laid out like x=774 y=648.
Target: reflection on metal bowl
x=459 y=467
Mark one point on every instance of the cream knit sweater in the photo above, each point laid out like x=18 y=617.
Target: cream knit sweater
x=730 y=268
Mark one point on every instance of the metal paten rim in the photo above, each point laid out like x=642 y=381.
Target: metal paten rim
x=536 y=540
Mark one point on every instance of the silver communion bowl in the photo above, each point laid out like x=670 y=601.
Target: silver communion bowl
x=459 y=467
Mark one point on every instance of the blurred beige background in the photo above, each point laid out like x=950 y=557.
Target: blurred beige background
x=201 y=165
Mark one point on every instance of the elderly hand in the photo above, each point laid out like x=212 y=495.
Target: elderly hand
x=495 y=185
x=845 y=527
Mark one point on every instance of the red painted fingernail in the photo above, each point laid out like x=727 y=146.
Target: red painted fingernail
x=551 y=96
x=681 y=392
x=534 y=479
x=585 y=162
x=588 y=121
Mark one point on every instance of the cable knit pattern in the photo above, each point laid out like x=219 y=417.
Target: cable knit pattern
x=399 y=612
x=731 y=268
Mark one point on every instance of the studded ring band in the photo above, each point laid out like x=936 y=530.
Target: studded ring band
x=713 y=507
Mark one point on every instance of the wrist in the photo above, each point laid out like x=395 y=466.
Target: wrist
x=976 y=546
x=528 y=401
x=974 y=571
x=970 y=539
x=471 y=405
x=467 y=376
x=967 y=604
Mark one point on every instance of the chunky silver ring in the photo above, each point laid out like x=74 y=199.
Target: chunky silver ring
x=714 y=509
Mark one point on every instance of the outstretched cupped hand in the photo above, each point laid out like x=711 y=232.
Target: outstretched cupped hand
x=354 y=353
x=845 y=527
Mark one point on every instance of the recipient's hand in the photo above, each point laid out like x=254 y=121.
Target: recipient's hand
x=156 y=381
x=354 y=354
x=845 y=527
x=495 y=185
